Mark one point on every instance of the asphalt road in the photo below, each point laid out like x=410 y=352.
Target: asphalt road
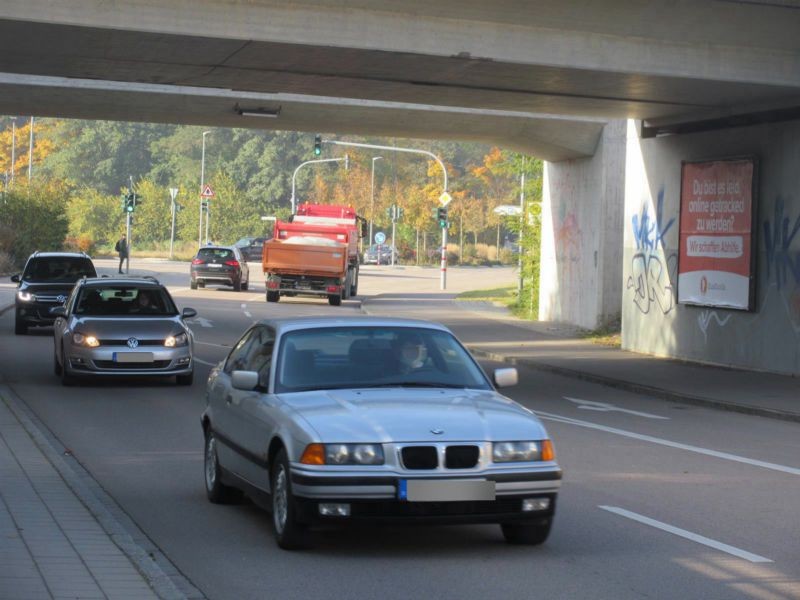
x=659 y=500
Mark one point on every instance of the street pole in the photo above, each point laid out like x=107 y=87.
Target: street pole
x=30 y=154
x=444 y=256
x=393 y=247
x=346 y=158
x=128 y=230
x=173 y=192
x=372 y=198
x=521 y=282
x=202 y=185
x=13 y=146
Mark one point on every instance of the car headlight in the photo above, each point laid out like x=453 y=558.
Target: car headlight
x=343 y=454
x=174 y=341
x=25 y=296
x=523 y=451
x=85 y=340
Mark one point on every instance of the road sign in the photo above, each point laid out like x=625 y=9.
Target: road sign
x=444 y=199
x=173 y=192
x=380 y=237
x=207 y=192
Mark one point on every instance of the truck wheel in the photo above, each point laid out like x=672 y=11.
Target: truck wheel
x=346 y=286
x=354 y=285
x=193 y=285
x=273 y=296
x=334 y=300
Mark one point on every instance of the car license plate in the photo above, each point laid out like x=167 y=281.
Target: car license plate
x=445 y=490
x=133 y=357
x=214 y=266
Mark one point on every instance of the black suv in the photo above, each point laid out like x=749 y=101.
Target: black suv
x=46 y=281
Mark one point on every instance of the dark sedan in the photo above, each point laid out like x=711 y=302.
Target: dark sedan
x=219 y=265
x=252 y=249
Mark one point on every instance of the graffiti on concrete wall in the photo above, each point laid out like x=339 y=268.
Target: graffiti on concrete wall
x=783 y=265
x=652 y=271
x=704 y=320
x=568 y=238
x=782 y=252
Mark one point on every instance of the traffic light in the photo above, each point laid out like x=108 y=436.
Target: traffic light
x=441 y=216
x=129 y=202
x=317 y=145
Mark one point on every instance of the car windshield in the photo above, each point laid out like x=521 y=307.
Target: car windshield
x=65 y=269
x=124 y=301
x=210 y=253
x=363 y=357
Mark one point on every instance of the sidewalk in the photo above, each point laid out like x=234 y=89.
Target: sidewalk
x=57 y=540
x=491 y=333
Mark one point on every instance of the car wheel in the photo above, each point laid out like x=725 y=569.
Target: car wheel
x=237 y=285
x=216 y=491
x=289 y=533
x=67 y=379
x=193 y=285
x=530 y=534
x=245 y=285
x=273 y=296
x=20 y=328
x=334 y=300
x=186 y=379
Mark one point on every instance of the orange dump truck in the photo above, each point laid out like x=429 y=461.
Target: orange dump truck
x=305 y=265
x=316 y=253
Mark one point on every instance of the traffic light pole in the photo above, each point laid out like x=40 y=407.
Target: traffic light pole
x=311 y=162
x=411 y=151
x=172 y=193
x=393 y=247
x=128 y=230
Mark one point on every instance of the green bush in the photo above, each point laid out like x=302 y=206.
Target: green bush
x=36 y=215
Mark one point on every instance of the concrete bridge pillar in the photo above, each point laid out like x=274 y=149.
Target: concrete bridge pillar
x=582 y=211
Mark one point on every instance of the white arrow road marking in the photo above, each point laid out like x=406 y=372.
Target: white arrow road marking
x=202 y=321
x=245 y=311
x=605 y=407
x=663 y=442
x=754 y=558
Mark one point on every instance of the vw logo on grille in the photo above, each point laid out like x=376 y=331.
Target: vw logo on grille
x=61 y=299
x=437 y=431
x=133 y=342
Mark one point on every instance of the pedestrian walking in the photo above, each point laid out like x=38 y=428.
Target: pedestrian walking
x=122 y=249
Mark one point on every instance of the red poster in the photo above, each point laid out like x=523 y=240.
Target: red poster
x=715 y=265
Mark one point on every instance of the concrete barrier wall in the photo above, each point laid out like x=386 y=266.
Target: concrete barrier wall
x=582 y=209
x=652 y=321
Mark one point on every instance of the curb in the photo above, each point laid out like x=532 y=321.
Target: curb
x=639 y=388
x=629 y=386
x=145 y=556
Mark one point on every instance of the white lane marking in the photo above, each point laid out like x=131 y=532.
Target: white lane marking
x=210 y=344
x=203 y=362
x=606 y=407
x=202 y=321
x=754 y=558
x=663 y=442
x=245 y=311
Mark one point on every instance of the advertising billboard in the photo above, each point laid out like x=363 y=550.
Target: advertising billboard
x=715 y=261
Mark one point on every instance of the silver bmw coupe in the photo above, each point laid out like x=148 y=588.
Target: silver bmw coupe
x=331 y=420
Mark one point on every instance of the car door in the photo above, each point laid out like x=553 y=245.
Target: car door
x=253 y=413
x=220 y=398
x=61 y=324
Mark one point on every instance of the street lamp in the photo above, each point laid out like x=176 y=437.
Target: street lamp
x=293 y=200
x=372 y=201
x=202 y=184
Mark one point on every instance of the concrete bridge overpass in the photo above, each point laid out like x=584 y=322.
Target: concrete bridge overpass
x=592 y=87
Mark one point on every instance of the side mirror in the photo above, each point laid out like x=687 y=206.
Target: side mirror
x=188 y=313
x=244 y=380
x=506 y=377
x=15 y=278
x=58 y=311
